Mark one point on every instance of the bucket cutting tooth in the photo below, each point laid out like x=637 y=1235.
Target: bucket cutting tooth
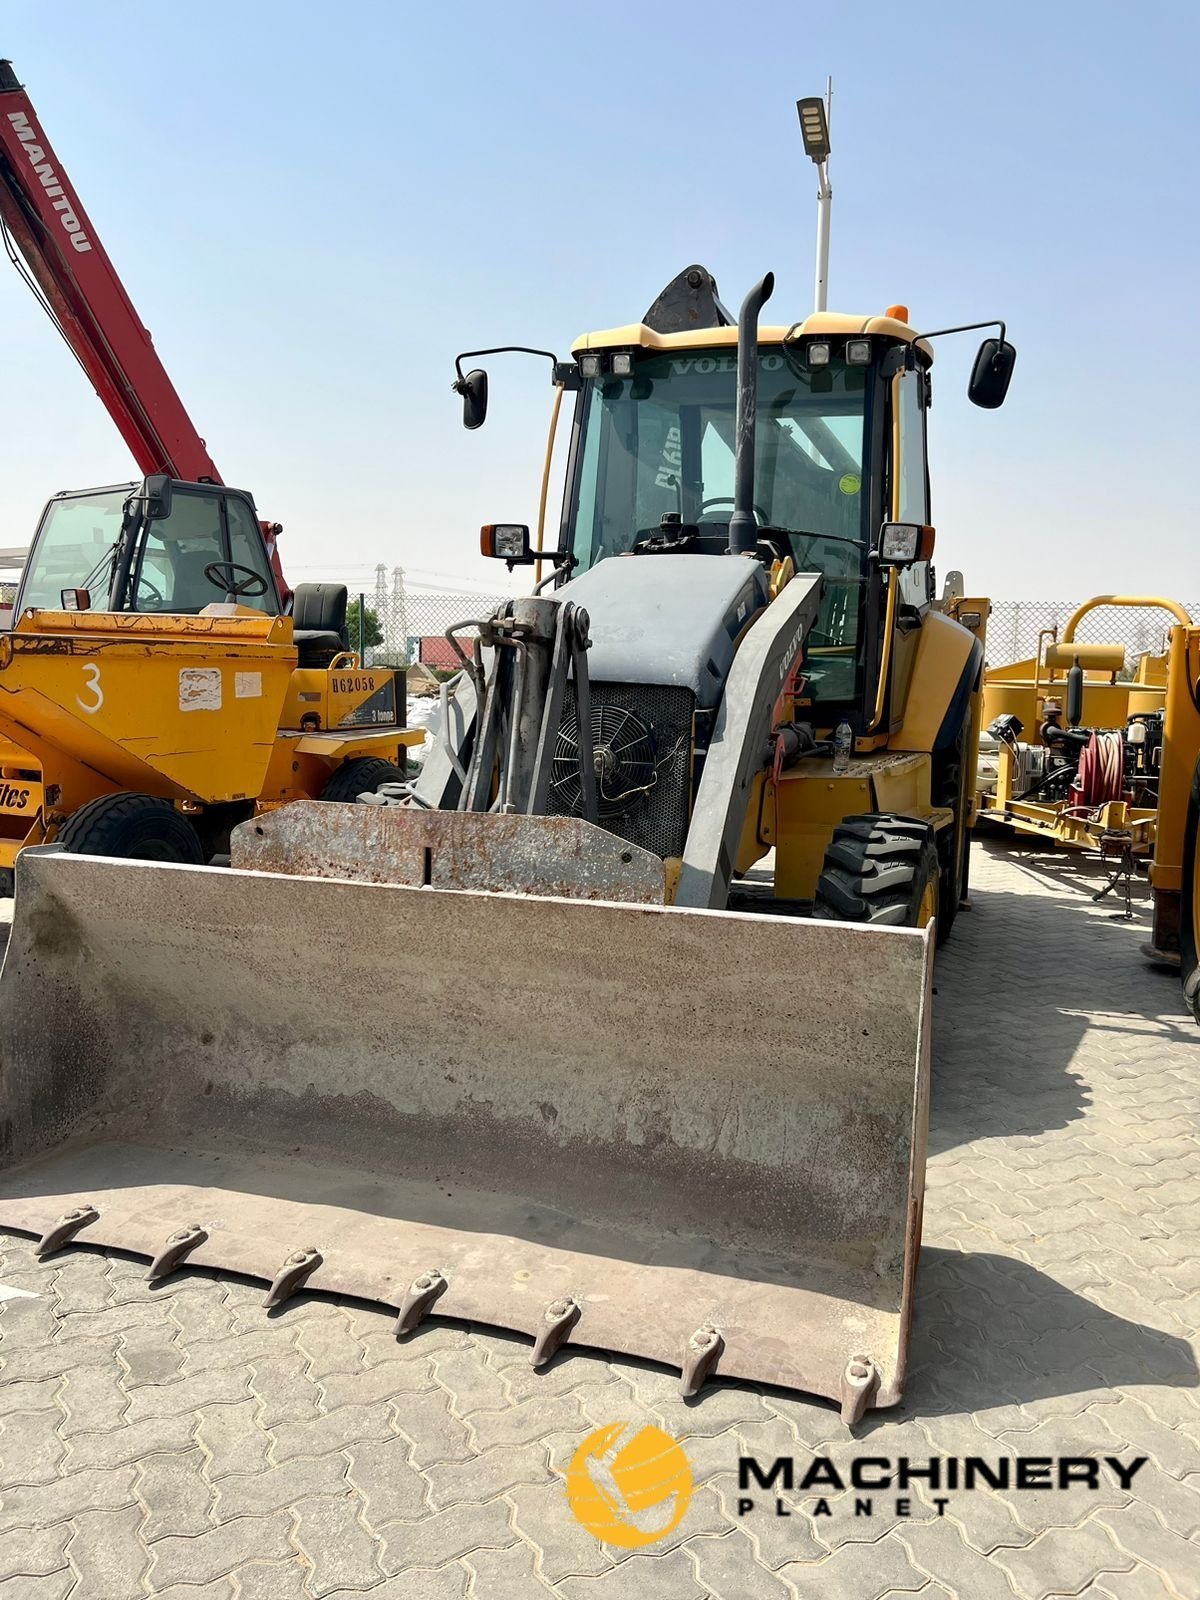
x=421 y=1294
x=65 y=1229
x=293 y=1275
x=860 y=1381
x=700 y=1360
x=176 y=1250
x=559 y=1317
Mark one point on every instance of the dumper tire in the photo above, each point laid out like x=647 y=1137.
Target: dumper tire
x=1189 y=918
x=882 y=870
x=363 y=775
x=132 y=827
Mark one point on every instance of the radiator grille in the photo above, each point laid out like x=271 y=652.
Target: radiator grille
x=643 y=737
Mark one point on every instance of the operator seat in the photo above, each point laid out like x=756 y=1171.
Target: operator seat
x=319 y=622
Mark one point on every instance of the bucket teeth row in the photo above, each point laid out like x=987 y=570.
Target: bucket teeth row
x=701 y=1356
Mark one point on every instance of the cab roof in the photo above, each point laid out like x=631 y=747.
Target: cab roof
x=637 y=336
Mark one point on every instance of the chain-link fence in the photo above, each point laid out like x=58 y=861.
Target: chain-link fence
x=400 y=628
x=1015 y=626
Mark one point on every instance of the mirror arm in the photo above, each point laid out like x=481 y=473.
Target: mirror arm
x=967 y=327
x=501 y=350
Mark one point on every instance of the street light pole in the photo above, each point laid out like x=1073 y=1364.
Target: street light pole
x=814 y=116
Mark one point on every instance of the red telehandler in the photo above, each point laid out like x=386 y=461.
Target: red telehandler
x=53 y=243
x=159 y=682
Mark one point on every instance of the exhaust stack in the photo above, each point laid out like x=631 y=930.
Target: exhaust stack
x=743 y=528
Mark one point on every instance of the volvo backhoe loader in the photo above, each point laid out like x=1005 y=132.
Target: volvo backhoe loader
x=613 y=1028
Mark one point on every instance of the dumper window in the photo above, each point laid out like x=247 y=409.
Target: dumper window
x=73 y=550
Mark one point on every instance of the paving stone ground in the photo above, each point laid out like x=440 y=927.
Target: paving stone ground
x=180 y=1442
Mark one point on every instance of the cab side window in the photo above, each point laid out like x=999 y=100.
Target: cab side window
x=246 y=549
x=911 y=476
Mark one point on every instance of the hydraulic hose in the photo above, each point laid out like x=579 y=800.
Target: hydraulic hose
x=1101 y=771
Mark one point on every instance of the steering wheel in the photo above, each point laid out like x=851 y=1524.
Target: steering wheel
x=251 y=586
x=155 y=594
x=728 y=500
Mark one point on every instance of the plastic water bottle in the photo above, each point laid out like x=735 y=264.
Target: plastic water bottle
x=843 y=744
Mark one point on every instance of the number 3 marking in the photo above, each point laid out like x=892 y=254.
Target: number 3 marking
x=92 y=673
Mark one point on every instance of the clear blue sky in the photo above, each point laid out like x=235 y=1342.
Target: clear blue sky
x=314 y=207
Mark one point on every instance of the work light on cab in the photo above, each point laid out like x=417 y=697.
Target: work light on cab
x=506 y=541
x=903 y=543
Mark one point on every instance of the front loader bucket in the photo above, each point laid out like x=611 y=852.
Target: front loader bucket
x=681 y=1135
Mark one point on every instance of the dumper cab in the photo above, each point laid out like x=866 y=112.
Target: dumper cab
x=151 y=655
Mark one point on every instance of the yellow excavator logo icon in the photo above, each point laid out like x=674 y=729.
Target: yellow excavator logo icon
x=629 y=1486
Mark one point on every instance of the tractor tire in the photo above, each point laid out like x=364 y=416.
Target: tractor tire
x=1189 y=909
x=363 y=775
x=948 y=787
x=132 y=827
x=880 y=869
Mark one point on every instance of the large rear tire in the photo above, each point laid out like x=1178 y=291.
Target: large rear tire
x=1189 y=909
x=363 y=775
x=882 y=870
x=133 y=827
x=949 y=787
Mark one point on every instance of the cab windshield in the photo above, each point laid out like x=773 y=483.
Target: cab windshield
x=661 y=442
x=74 y=549
x=77 y=543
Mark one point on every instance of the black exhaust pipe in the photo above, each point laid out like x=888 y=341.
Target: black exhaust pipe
x=743 y=527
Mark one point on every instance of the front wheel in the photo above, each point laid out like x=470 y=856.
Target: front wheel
x=362 y=775
x=133 y=827
x=882 y=870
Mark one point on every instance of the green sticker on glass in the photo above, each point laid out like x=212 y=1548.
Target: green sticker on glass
x=849 y=483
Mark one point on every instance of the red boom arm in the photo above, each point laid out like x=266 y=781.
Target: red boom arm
x=46 y=221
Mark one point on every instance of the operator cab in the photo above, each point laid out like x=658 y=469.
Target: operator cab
x=836 y=449
x=170 y=548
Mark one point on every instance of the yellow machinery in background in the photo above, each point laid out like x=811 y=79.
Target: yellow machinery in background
x=139 y=720
x=1072 y=749
x=1175 y=869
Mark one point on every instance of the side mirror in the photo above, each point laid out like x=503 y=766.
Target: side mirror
x=507 y=541
x=992 y=373
x=903 y=543
x=156 y=497
x=474 y=391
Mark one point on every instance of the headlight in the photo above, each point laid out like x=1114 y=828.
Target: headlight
x=622 y=363
x=819 y=354
x=590 y=365
x=858 y=352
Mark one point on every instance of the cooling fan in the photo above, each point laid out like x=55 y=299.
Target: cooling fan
x=625 y=758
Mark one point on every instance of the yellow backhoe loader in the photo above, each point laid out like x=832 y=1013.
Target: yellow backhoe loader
x=613 y=1027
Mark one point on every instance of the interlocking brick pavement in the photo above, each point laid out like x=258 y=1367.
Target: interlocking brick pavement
x=178 y=1442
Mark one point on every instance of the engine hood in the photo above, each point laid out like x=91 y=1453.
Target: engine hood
x=671 y=620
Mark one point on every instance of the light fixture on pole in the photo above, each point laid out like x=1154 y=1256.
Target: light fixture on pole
x=814 y=130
